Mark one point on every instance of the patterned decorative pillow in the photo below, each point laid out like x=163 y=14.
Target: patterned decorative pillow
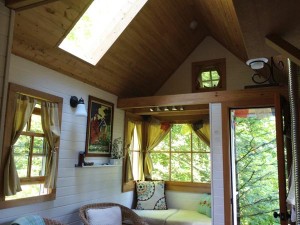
x=204 y=206
x=151 y=195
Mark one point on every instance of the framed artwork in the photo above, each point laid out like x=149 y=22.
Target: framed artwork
x=99 y=127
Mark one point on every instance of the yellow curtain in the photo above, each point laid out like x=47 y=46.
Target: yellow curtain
x=156 y=131
x=202 y=129
x=23 y=110
x=51 y=128
x=128 y=138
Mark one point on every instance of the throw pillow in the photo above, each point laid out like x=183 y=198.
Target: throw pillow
x=204 y=206
x=151 y=195
x=105 y=216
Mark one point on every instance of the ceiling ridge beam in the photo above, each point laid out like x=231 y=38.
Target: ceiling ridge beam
x=283 y=47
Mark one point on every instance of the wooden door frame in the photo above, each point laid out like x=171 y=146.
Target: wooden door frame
x=226 y=106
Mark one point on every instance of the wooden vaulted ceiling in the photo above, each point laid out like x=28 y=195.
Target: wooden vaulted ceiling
x=156 y=42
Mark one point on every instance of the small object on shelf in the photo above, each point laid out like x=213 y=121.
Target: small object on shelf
x=80 y=159
x=88 y=163
x=115 y=161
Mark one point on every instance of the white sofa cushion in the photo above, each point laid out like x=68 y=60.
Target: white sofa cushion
x=105 y=216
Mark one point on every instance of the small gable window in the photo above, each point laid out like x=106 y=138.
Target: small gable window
x=209 y=75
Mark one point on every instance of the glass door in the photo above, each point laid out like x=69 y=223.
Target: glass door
x=255 y=167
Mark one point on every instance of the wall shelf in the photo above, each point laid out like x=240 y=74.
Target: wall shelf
x=97 y=166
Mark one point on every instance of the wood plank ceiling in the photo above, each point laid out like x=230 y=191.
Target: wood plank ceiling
x=156 y=42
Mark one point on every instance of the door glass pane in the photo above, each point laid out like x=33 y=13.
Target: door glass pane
x=255 y=157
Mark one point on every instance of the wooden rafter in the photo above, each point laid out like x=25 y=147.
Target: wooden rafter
x=284 y=47
x=25 y=4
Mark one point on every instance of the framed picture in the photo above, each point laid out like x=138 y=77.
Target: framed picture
x=99 y=127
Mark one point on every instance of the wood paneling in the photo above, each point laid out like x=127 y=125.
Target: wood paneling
x=25 y=4
x=156 y=42
x=222 y=22
x=259 y=94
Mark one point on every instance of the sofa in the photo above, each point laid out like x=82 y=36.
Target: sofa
x=153 y=207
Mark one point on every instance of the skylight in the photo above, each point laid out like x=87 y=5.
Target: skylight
x=99 y=27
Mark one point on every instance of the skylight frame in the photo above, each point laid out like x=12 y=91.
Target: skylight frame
x=90 y=44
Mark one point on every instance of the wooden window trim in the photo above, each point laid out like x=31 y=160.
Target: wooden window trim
x=12 y=90
x=188 y=187
x=216 y=64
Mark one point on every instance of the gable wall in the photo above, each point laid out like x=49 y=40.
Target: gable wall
x=238 y=74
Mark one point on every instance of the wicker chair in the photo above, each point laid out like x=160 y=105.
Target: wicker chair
x=48 y=221
x=127 y=214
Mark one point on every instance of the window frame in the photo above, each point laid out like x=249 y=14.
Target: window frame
x=204 y=66
x=170 y=185
x=12 y=90
x=130 y=185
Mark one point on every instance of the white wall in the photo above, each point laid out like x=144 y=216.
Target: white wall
x=217 y=185
x=75 y=186
x=238 y=74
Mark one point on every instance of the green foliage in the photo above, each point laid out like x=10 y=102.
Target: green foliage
x=30 y=157
x=256 y=168
x=185 y=158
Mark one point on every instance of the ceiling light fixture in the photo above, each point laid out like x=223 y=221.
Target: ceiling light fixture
x=193 y=25
x=258 y=64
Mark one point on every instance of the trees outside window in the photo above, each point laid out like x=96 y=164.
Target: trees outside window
x=256 y=167
x=209 y=75
x=181 y=156
x=30 y=158
x=30 y=151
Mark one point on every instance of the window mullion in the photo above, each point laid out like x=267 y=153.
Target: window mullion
x=30 y=156
x=191 y=152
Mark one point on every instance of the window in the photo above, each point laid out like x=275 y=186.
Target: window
x=30 y=148
x=181 y=156
x=99 y=27
x=209 y=79
x=176 y=153
x=30 y=157
x=209 y=75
